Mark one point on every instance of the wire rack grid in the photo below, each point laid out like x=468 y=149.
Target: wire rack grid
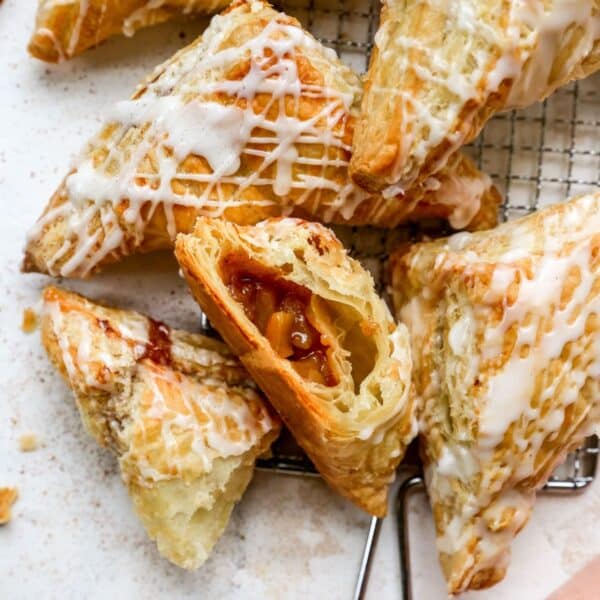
x=536 y=157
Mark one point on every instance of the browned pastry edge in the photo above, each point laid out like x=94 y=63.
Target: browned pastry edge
x=314 y=429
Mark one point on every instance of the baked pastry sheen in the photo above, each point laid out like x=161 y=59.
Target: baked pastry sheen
x=65 y=28
x=441 y=68
x=254 y=119
x=177 y=409
x=505 y=334
x=305 y=320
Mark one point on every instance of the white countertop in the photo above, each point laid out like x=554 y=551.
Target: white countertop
x=73 y=532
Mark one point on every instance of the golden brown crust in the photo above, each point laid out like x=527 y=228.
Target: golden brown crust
x=439 y=71
x=355 y=430
x=67 y=28
x=210 y=80
x=176 y=408
x=506 y=347
x=282 y=149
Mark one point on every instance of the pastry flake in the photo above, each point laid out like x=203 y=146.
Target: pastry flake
x=254 y=119
x=66 y=28
x=29 y=321
x=440 y=69
x=305 y=320
x=178 y=410
x=8 y=496
x=505 y=336
x=28 y=442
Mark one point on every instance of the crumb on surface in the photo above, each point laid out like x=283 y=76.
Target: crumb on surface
x=7 y=497
x=30 y=320
x=28 y=442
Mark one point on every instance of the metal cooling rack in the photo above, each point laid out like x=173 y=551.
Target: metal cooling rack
x=538 y=156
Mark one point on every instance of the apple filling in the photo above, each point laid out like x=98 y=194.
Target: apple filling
x=295 y=321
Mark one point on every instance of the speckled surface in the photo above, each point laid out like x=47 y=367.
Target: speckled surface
x=73 y=533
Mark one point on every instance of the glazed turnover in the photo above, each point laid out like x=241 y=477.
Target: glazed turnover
x=254 y=119
x=441 y=68
x=65 y=28
x=305 y=320
x=505 y=333
x=178 y=410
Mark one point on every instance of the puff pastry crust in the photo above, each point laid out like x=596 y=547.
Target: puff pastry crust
x=305 y=320
x=177 y=408
x=254 y=119
x=441 y=69
x=65 y=28
x=505 y=335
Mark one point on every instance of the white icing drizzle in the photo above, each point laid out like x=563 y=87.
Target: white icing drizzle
x=539 y=299
x=87 y=358
x=461 y=81
x=461 y=331
x=545 y=283
x=143 y=13
x=549 y=29
x=85 y=354
x=456 y=461
x=76 y=32
x=299 y=157
x=200 y=420
x=462 y=194
x=136 y=18
x=134 y=167
x=45 y=32
x=524 y=52
x=188 y=121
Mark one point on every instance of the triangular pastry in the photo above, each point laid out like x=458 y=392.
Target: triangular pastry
x=254 y=119
x=505 y=336
x=305 y=320
x=65 y=28
x=178 y=410
x=440 y=69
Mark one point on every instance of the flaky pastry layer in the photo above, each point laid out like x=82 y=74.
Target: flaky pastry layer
x=441 y=68
x=326 y=350
x=65 y=28
x=178 y=410
x=255 y=119
x=505 y=335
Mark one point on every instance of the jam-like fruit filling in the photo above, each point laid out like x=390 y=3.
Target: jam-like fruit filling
x=287 y=314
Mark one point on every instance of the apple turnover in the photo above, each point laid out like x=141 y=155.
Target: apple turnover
x=177 y=408
x=440 y=70
x=66 y=28
x=305 y=320
x=254 y=119
x=505 y=338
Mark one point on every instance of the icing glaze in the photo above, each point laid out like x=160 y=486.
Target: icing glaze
x=263 y=134
x=200 y=419
x=102 y=19
x=270 y=139
x=199 y=422
x=548 y=27
x=523 y=49
x=512 y=375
